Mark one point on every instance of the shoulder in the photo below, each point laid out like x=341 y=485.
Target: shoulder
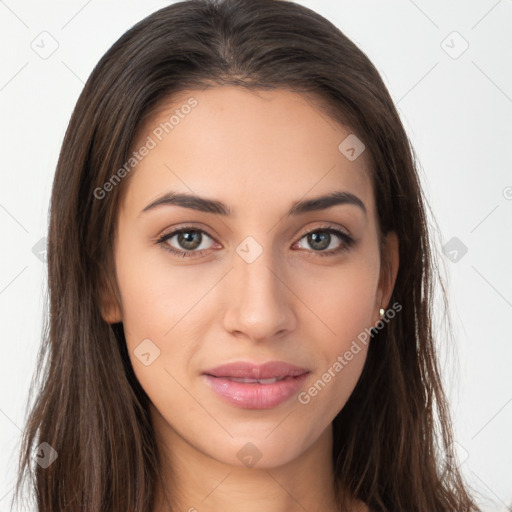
x=359 y=506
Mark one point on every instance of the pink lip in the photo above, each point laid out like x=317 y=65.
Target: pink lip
x=256 y=395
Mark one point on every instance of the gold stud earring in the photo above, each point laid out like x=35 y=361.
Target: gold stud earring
x=381 y=312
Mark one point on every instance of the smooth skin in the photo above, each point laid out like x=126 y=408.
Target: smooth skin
x=258 y=153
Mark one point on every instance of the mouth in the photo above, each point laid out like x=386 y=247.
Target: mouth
x=252 y=386
x=255 y=381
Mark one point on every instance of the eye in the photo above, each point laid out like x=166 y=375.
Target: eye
x=322 y=238
x=190 y=242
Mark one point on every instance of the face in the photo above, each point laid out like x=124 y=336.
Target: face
x=254 y=275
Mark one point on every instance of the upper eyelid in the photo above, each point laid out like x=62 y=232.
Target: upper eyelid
x=327 y=227
x=172 y=232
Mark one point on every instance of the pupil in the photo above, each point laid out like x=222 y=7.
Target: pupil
x=323 y=240
x=186 y=239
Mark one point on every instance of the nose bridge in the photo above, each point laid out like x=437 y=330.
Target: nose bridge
x=259 y=304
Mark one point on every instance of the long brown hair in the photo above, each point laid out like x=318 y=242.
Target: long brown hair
x=392 y=440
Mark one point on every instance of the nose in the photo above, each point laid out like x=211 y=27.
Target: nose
x=259 y=306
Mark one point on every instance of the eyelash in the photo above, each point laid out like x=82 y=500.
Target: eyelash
x=347 y=241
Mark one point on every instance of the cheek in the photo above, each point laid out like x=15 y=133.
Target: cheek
x=161 y=315
x=155 y=294
x=172 y=306
x=343 y=303
x=159 y=302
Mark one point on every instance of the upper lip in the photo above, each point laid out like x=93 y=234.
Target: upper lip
x=269 y=370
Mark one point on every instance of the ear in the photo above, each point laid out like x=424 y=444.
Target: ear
x=388 y=273
x=109 y=303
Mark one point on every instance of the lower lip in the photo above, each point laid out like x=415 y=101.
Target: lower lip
x=255 y=395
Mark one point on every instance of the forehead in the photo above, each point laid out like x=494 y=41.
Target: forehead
x=251 y=149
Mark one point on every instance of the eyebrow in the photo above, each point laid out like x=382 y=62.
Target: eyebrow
x=204 y=204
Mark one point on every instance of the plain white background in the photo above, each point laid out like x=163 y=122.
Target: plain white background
x=447 y=66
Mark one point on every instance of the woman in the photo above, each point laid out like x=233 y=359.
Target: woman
x=240 y=281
